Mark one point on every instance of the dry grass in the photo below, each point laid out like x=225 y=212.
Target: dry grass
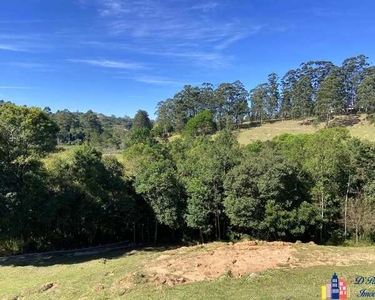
x=358 y=126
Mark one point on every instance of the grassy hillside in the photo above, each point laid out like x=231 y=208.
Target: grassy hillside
x=247 y=270
x=357 y=125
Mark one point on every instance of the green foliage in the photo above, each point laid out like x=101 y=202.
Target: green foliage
x=26 y=135
x=302 y=98
x=25 y=131
x=91 y=199
x=366 y=95
x=201 y=124
x=227 y=104
x=141 y=121
x=329 y=98
x=263 y=197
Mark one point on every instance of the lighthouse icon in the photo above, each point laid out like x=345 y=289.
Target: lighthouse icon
x=336 y=289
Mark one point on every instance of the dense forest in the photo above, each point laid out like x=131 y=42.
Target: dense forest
x=200 y=187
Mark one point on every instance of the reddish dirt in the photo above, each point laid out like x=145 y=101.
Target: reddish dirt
x=215 y=260
x=201 y=263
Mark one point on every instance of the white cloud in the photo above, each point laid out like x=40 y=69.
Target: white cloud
x=158 y=80
x=205 y=6
x=113 y=7
x=16 y=87
x=324 y=12
x=110 y=64
x=9 y=47
x=26 y=65
x=21 y=43
x=237 y=37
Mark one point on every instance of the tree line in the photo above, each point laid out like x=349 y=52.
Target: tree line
x=317 y=187
x=317 y=89
x=101 y=131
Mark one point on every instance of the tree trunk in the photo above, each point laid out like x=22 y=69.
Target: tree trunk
x=156 y=231
x=134 y=233
x=201 y=235
x=142 y=233
x=356 y=234
x=218 y=225
x=322 y=215
x=346 y=208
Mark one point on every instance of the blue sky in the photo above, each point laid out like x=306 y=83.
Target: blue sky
x=118 y=56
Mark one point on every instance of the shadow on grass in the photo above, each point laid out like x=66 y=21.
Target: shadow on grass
x=46 y=260
x=347 y=121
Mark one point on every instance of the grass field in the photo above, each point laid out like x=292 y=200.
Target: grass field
x=126 y=275
x=358 y=126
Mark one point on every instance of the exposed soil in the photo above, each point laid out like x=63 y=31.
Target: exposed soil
x=212 y=261
x=202 y=263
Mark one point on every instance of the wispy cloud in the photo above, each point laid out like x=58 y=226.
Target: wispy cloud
x=9 y=47
x=21 y=43
x=325 y=12
x=183 y=31
x=27 y=65
x=185 y=52
x=19 y=21
x=32 y=66
x=16 y=87
x=205 y=7
x=113 y=7
x=238 y=36
x=110 y=64
x=156 y=80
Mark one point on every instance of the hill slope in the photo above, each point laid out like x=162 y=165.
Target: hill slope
x=357 y=125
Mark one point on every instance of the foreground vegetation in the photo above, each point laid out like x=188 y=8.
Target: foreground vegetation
x=118 y=275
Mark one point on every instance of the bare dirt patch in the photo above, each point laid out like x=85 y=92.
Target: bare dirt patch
x=202 y=263
x=219 y=260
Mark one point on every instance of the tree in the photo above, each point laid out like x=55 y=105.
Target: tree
x=91 y=201
x=288 y=83
x=366 y=94
x=92 y=127
x=265 y=198
x=233 y=98
x=329 y=99
x=258 y=100
x=201 y=124
x=353 y=71
x=26 y=135
x=198 y=210
x=302 y=98
x=158 y=183
x=316 y=72
x=326 y=160
x=141 y=120
x=273 y=99
x=203 y=171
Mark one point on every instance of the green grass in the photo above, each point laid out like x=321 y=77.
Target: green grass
x=65 y=151
x=74 y=278
x=105 y=277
